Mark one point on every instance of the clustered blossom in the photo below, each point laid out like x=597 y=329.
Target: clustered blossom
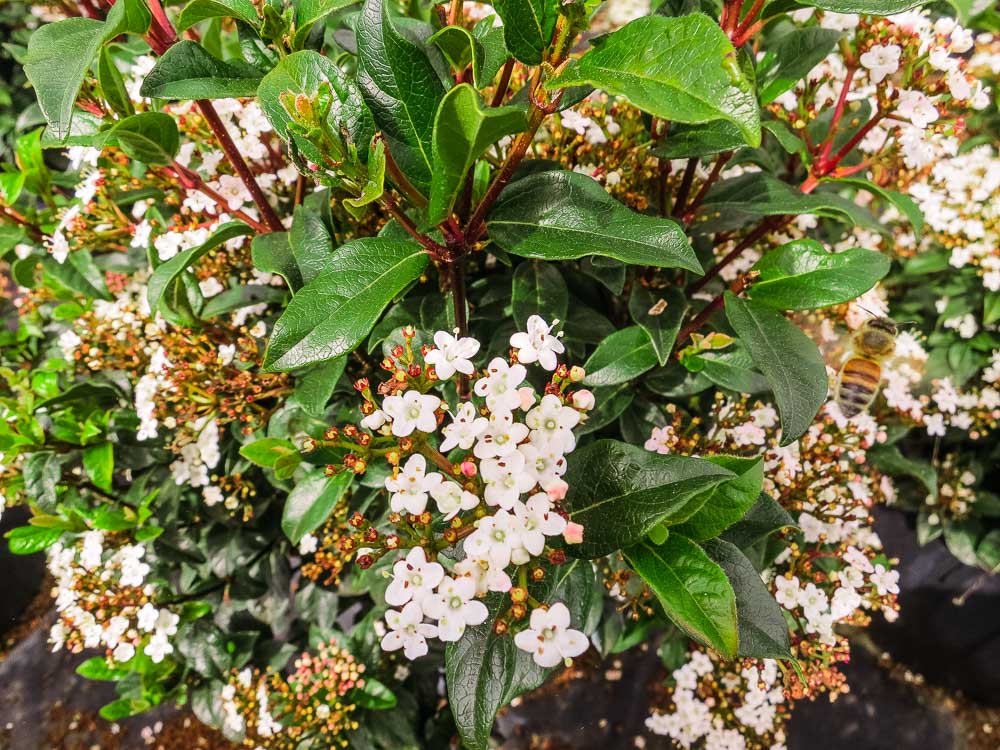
x=491 y=467
x=104 y=601
x=269 y=711
x=828 y=486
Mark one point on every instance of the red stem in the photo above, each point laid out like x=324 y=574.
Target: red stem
x=838 y=113
x=740 y=31
x=720 y=162
x=501 y=91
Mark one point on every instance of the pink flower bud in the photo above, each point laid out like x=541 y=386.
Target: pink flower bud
x=577 y=374
x=527 y=395
x=468 y=469
x=556 y=490
x=584 y=400
x=573 y=533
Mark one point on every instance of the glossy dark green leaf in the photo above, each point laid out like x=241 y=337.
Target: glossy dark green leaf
x=149 y=137
x=310 y=12
x=558 y=215
x=528 y=27
x=315 y=386
x=693 y=589
x=889 y=459
x=732 y=368
x=312 y=500
x=618 y=492
x=99 y=463
x=273 y=254
x=334 y=312
x=238 y=297
x=60 y=54
x=621 y=357
x=680 y=69
x=310 y=238
x=374 y=696
x=463 y=129
x=402 y=88
x=803 y=275
x=188 y=71
x=28 y=540
x=201 y=10
x=787 y=358
x=904 y=203
x=726 y=503
x=303 y=73
x=706 y=139
x=266 y=451
x=461 y=49
x=791 y=56
x=870 y=7
x=539 y=289
x=113 y=84
x=659 y=313
x=763 y=631
x=763 y=519
x=78 y=274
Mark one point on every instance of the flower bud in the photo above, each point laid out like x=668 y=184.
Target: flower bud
x=527 y=396
x=518 y=594
x=573 y=533
x=468 y=469
x=556 y=490
x=584 y=400
x=577 y=374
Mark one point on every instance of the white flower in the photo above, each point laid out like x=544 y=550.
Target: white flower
x=147 y=617
x=499 y=385
x=158 y=647
x=550 y=421
x=407 y=631
x=537 y=344
x=410 y=486
x=881 y=60
x=123 y=652
x=232 y=190
x=916 y=107
x=412 y=410
x=545 y=462
x=845 y=602
x=885 y=581
x=413 y=578
x=227 y=353
x=787 y=591
x=549 y=638
x=506 y=479
x=451 y=498
x=813 y=601
x=452 y=354
x=308 y=544
x=374 y=420
x=538 y=521
x=501 y=437
x=495 y=539
x=454 y=608
x=466 y=426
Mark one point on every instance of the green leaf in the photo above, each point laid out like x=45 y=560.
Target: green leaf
x=99 y=463
x=694 y=590
x=737 y=201
x=113 y=84
x=402 y=88
x=618 y=492
x=620 y=358
x=42 y=473
x=726 y=503
x=303 y=73
x=374 y=696
x=238 y=297
x=27 y=540
x=123 y=708
x=904 y=203
x=200 y=10
x=991 y=307
x=311 y=238
x=333 y=313
x=312 y=500
x=732 y=368
x=188 y=71
x=706 y=139
x=149 y=137
x=461 y=49
x=463 y=129
x=78 y=274
x=267 y=451
x=680 y=69
x=527 y=27
x=763 y=631
x=559 y=215
x=272 y=253
x=168 y=276
x=790 y=57
x=310 y=12
x=96 y=668
x=314 y=386
x=788 y=359
x=659 y=314
x=763 y=519
x=803 y=275
x=60 y=54
x=374 y=185
x=889 y=459
x=870 y=7
x=538 y=289
x=484 y=671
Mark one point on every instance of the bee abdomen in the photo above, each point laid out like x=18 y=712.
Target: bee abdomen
x=856 y=387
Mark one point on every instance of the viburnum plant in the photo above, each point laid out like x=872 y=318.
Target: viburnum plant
x=350 y=344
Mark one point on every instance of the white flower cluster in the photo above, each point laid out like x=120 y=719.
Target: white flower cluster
x=232 y=717
x=692 y=722
x=98 y=594
x=518 y=447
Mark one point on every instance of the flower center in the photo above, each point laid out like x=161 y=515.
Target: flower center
x=551 y=424
x=549 y=633
x=499 y=535
x=456 y=602
x=414 y=412
x=417 y=579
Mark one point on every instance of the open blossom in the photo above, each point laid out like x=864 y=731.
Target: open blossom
x=502 y=436
x=551 y=421
x=451 y=499
x=917 y=108
x=410 y=486
x=452 y=354
x=881 y=60
x=464 y=429
x=549 y=639
x=408 y=631
x=413 y=410
x=495 y=539
x=413 y=578
x=499 y=385
x=538 y=520
x=454 y=608
x=506 y=479
x=537 y=343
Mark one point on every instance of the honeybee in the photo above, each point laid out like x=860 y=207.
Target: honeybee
x=861 y=374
